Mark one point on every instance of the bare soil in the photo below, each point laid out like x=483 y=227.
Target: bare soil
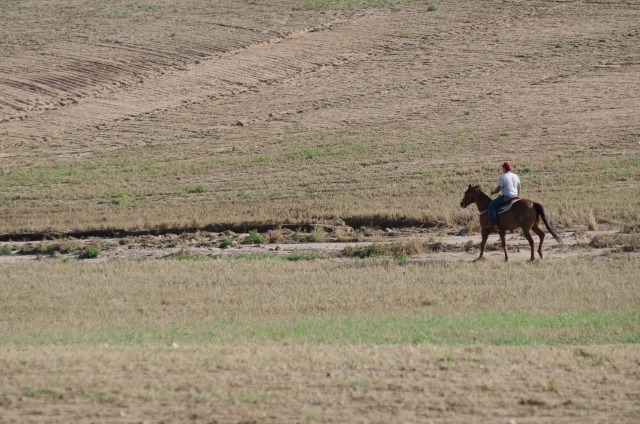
x=361 y=384
x=288 y=113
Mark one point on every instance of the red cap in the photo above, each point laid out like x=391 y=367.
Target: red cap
x=507 y=166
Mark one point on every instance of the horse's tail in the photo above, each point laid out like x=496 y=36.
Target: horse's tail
x=540 y=212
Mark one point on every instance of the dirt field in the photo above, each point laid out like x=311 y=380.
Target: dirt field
x=131 y=115
x=150 y=137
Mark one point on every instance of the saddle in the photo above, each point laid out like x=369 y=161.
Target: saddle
x=484 y=216
x=507 y=205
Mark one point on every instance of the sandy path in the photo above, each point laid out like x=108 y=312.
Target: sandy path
x=453 y=248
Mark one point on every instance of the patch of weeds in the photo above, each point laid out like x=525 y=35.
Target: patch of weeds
x=101 y=397
x=181 y=192
x=448 y=356
x=5 y=250
x=42 y=248
x=98 y=152
x=172 y=159
x=404 y=34
x=404 y=148
x=263 y=159
x=563 y=100
x=224 y=243
x=269 y=255
x=432 y=8
x=254 y=237
x=275 y=236
x=318 y=234
x=361 y=230
x=558 y=45
x=118 y=197
x=467 y=113
x=34 y=146
x=526 y=170
x=66 y=259
x=199 y=188
x=308 y=152
x=173 y=34
x=372 y=251
x=429 y=94
x=308 y=415
x=243 y=397
x=245 y=194
x=554 y=385
x=38 y=392
x=609 y=252
x=91 y=252
x=400 y=258
x=186 y=255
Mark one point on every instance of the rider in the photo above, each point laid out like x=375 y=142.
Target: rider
x=509 y=184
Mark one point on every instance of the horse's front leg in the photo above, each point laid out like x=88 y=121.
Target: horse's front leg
x=504 y=245
x=485 y=236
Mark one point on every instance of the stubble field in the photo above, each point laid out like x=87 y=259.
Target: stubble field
x=346 y=132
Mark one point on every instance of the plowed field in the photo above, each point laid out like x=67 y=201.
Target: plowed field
x=132 y=115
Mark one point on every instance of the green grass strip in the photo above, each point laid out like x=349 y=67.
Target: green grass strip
x=485 y=328
x=249 y=257
x=283 y=257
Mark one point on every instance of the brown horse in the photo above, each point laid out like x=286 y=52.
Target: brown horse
x=524 y=213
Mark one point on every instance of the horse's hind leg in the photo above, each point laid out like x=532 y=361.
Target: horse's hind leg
x=527 y=235
x=540 y=234
x=504 y=246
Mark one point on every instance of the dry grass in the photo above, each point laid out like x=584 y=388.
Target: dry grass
x=626 y=242
x=319 y=383
x=318 y=234
x=275 y=236
x=566 y=197
x=592 y=225
x=48 y=299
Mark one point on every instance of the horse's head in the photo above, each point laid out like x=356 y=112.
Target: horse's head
x=470 y=195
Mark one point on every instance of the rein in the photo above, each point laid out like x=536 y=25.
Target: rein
x=478 y=213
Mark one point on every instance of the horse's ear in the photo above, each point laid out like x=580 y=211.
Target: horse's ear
x=469 y=185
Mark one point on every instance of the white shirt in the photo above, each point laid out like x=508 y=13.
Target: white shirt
x=509 y=183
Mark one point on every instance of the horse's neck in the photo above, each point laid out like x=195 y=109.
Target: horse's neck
x=482 y=200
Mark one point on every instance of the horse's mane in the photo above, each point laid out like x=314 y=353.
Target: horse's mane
x=478 y=190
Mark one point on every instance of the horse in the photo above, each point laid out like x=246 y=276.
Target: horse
x=524 y=213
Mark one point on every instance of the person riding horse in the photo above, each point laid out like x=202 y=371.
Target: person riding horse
x=509 y=184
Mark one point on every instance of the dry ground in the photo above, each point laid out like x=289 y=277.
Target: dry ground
x=131 y=115
x=360 y=384
x=325 y=341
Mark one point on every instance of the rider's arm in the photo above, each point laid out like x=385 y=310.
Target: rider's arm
x=498 y=189
x=518 y=189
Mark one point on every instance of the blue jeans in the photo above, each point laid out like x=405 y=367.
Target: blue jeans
x=493 y=214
